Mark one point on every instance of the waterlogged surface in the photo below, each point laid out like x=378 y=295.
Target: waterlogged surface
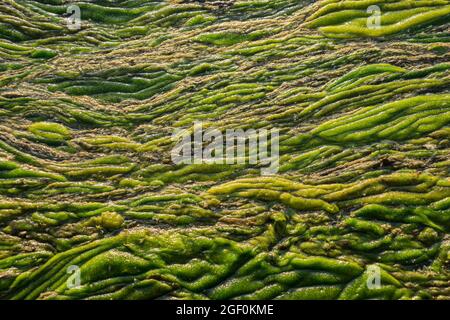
x=92 y=207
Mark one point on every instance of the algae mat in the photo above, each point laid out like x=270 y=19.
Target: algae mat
x=93 y=207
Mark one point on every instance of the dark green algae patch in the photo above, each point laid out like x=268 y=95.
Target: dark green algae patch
x=86 y=179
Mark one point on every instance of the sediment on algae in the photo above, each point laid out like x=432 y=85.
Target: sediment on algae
x=86 y=177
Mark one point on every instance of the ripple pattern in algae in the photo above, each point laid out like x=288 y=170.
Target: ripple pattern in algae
x=86 y=118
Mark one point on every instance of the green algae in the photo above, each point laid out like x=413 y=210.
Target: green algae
x=86 y=177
